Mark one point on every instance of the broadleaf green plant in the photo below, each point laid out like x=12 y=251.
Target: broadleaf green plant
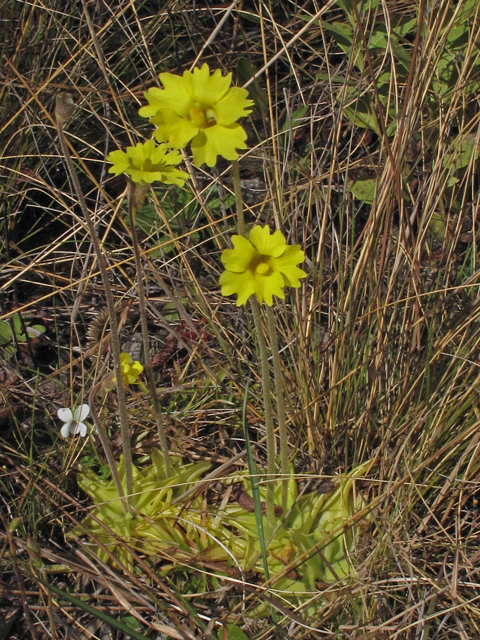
x=8 y=332
x=159 y=526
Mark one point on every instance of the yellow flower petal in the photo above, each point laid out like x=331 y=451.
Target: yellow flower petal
x=238 y=259
x=172 y=157
x=286 y=264
x=205 y=88
x=268 y=286
x=147 y=163
x=218 y=141
x=241 y=283
x=137 y=368
x=173 y=129
x=232 y=106
x=176 y=95
x=266 y=244
x=120 y=162
x=173 y=96
x=140 y=152
x=130 y=370
x=169 y=175
x=134 y=370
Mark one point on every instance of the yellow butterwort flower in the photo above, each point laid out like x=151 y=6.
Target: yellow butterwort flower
x=146 y=163
x=130 y=370
x=200 y=108
x=263 y=264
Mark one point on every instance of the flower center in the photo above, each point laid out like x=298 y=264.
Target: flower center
x=211 y=117
x=147 y=164
x=202 y=118
x=261 y=266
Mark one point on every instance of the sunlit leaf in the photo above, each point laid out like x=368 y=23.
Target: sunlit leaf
x=232 y=633
x=361 y=113
x=437 y=225
x=461 y=152
x=364 y=189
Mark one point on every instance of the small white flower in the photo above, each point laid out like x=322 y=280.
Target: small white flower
x=74 y=421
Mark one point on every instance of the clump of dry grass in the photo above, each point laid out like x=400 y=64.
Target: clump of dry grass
x=380 y=345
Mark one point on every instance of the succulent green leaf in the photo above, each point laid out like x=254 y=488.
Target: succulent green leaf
x=466 y=11
x=294 y=119
x=6 y=334
x=437 y=225
x=461 y=151
x=404 y=25
x=343 y=34
x=364 y=189
x=188 y=533
x=233 y=633
x=361 y=113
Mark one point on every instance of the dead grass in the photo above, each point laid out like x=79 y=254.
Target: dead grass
x=380 y=344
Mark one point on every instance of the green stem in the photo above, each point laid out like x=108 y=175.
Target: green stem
x=267 y=399
x=63 y=111
x=238 y=197
x=143 y=320
x=282 y=423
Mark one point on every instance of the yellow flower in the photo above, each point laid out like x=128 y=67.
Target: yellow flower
x=130 y=370
x=147 y=163
x=201 y=108
x=130 y=373
x=262 y=265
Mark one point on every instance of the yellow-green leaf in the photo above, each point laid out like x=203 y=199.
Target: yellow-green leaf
x=364 y=189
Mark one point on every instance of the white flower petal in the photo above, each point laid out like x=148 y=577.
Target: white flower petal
x=65 y=415
x=65 y=431
x=83 y=429
x=82 y=412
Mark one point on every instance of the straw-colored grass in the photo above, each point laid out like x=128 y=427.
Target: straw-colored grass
x=380 y=345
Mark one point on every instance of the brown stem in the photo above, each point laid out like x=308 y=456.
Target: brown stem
x=143 y=320
x=63 y=111
x=238 y=197
x=106 y=445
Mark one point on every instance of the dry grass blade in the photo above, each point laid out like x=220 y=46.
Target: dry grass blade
x=363 y=147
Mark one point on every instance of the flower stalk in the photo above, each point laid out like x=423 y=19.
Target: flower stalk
x=106 y=445
x=279 y=394
x=143 y=320
x=267 y=399
x=63 y=111
x=238 y=198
